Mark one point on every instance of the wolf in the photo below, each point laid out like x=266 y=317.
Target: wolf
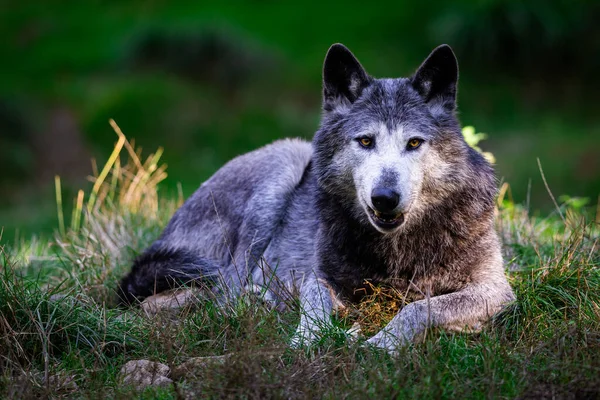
x=387 y=192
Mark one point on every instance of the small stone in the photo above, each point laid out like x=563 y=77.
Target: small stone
x=63 y=382
x=59 y=382
x=56 y=297
x=143 y=373
x=193 y=366
x=168 y=301
x=68 y=299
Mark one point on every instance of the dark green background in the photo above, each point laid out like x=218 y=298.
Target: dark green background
x=210 y=80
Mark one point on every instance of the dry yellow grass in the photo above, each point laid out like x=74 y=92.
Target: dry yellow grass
x=113 y=218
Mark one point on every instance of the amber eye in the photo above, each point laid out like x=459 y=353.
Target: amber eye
x=413 y=144
x=366 y=142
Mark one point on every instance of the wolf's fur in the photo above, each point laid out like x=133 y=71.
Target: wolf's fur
x=303 y=213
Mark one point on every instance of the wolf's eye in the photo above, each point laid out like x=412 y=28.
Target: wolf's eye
x=413 y=143
x=366 y=142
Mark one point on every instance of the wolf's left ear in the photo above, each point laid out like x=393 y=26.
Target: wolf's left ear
x=437 y=77
x=344 y=78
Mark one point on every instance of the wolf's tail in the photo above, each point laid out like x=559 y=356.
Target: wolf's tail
x=162 y=269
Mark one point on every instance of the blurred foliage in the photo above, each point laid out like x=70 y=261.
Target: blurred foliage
x=211 y=80
x=472 y=138
x=15 y=156
x=527 y=38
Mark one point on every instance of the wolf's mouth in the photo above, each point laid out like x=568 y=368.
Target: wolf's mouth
x=386 y=221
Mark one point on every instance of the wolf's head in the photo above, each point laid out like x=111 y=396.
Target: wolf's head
x=389 y=147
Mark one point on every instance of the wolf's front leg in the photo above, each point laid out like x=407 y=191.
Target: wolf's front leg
x=464 y=309
x=316 y=305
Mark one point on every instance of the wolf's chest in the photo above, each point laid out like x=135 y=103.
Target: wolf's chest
x=355 y=270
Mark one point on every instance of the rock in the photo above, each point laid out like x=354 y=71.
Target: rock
x=59 y=382
x=168 y=301
x=63 y=382
x=143 y=373
x=55 y=298
x=69 y=299
x=194 y=366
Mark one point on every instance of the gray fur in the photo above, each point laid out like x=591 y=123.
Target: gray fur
x=297 y=219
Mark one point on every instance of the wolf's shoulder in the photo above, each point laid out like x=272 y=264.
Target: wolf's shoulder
x=281 y=163
x=284 y=149
x=278 y=159
x=288 y=151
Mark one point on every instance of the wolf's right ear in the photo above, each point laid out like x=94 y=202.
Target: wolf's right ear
x=344 y=78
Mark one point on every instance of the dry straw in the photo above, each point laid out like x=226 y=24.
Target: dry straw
x=120 y=211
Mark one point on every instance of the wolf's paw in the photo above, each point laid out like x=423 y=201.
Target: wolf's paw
x=405 y=328
x=304 y=338
x=387 y=341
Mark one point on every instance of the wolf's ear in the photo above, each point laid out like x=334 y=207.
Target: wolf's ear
x=344 y=78
x=437 y=77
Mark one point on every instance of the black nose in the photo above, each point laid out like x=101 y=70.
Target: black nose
x=384 y=200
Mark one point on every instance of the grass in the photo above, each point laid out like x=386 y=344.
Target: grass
x=62 y=336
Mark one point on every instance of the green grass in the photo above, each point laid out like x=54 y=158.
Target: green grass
x=59 y=323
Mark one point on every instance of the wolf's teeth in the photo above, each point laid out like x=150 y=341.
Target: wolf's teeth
x=377 y=214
